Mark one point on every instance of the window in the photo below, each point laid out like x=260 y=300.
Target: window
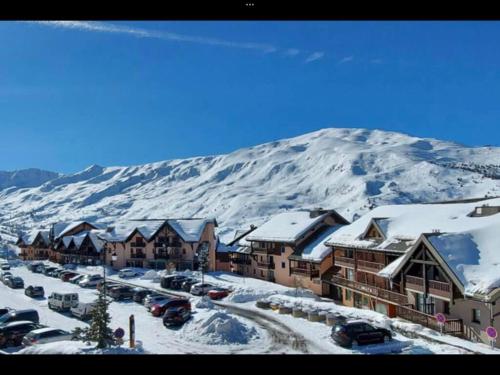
x=348 y=295
x=283 y=265
x=476 y=315
x=261 y=273
x=282 y=249
x=446 y=307
x=350 y=274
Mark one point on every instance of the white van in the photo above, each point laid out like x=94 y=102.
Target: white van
x=83 y=310
x=62 y=301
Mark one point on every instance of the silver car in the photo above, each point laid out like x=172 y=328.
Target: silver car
x=154 y=299
x=45 y=335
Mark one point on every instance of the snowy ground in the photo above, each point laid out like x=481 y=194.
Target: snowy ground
x=237 y=327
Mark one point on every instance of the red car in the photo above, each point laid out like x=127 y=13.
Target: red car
x=68 y=275
x=160 y=309
x=218 y=293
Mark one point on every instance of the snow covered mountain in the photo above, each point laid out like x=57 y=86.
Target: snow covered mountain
x=350 y=170
x=25 y=178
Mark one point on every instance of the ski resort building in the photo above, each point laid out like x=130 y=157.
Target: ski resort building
x=415 y=261
x=35 y=245
x=288 y=248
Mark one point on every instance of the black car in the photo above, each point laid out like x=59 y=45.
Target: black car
x=34 y=291
x=38 y=268
x=121 y=292
x=175 y=316
x=5 y=267
x=187 y=284
x=140 y=294
x=353 y=333
x=17 y=315
x=12 y=334
x=15 y=282
x=4 y=311
x=32 y=266
x=176 y=283
x=165 y=281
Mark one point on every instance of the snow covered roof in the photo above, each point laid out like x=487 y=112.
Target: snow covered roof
x=467 y=245
x=316 y=250
x=286 y=227
x=31 y=236
x=190 y=229
x=61 y=228
x=223 y=248
x=79 y=238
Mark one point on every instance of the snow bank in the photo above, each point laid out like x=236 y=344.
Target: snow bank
x=151 y=275
x=222 y=329
x=77 y=347
x=204 y=303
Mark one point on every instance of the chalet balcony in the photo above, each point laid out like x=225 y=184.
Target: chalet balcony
x=304 y=272
x=344 y=262
x=266 y=265
x=440 y=289
x=138 y=244
x=384 y=294
x=451 y=326
x=137 y=255
x=415 y=283
x=364 y=265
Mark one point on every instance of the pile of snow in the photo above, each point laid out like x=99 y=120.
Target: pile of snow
x=77 y=347
x=151 y=275
x=204 y=303
x=222 y=328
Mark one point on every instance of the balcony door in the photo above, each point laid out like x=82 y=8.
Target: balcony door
x=425 y=305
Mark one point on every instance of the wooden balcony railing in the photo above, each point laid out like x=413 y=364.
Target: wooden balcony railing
x=372 y=290
x=452 y=326
x=440 y=288
x=304 y=272
x=364 y=265
x=344 y=261
x=241 y=261
x=415 y=283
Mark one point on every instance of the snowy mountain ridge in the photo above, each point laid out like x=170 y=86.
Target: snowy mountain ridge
x=350 y=170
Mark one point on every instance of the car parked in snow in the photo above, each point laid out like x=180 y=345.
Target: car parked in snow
x=109 y=285
x=15 y=282
x=140 y=294
x=66 y=276
x=175 y=316
x=45 y=335
x=55 y=272
x=187 y=284
x=4 y=311
x=12 y=334
x=76 y=279
x=201 y=289
x=218 y=293
x=177 y=281
x=62 y=301
x=38 y=268
x=121 y=292
x=83 y=310
x=166 y=280
x=5 y=275
x=353 y=333
x=48 y=270
x=159 y=308
x=154 y=299
x=90 y=281
x=18 y=315
x=127 y=272
x=31 y=267
x=70 y=266
x=5 y=267
x=34 y=291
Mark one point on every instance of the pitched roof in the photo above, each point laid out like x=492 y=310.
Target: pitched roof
x=286 y=227
x=61 y=228
x=316 y=250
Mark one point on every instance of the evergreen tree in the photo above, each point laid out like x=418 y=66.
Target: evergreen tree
x=98 y=330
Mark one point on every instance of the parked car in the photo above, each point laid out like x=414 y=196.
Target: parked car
x=45 y=335
x=62 y=301
x=121 y=293
x=159 y=308
x=48 y=270
x=12 y=334
x=201 y=289
x=166 y=280
x=140 y=294
x=109 y=285
x=5 y=267
x=34 y=291
x=76 y=279
x=5 y=275
x=15 y=282
x=127 y=272
x=83 y=310
x=218 y=293
x=186 y=285
x=70 y=266
x=17 y=315
x=358 y=332
x=176 y=283
x=176 y=316
x=4 y=311
x=38 y=268
x=90 y=281
x=34 y=265
x=55 y=272
x=66 y=276
x=154 y=299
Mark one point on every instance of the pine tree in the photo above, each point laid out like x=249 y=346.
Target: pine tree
x=99 y=330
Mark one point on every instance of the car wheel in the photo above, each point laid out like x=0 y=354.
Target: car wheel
x=355 y=344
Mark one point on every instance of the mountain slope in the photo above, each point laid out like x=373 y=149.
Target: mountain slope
x=346 y=169
x=25 y=178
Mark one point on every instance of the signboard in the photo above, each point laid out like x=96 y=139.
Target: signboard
x=441 y=319
x=119 y=333
x=492 y=335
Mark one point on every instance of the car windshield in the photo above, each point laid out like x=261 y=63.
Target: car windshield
x=5 y=318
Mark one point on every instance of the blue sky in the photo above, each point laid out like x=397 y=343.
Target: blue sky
x=122 y=93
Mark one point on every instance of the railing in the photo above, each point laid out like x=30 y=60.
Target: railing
x=137 y=255
x=344 y=261
x=372 y=290
x=241 y=261
x=370 y=266
x=138 y=244
x=439 y=288
x=268 y=265
x=451 y=326
x=413 y=282
x=305 y=271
